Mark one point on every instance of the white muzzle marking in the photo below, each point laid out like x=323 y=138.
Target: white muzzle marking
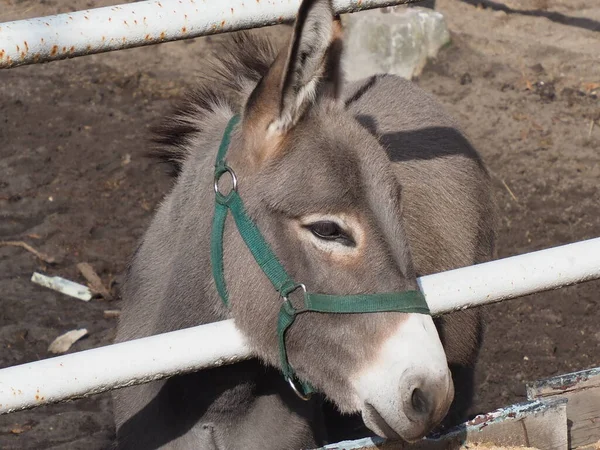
x=408 y=388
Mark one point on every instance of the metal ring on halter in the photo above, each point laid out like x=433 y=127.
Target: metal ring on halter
x=286 y=296
x=298 y=391
x=218 y=175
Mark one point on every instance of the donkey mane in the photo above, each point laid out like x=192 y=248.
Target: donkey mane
x=230 y=74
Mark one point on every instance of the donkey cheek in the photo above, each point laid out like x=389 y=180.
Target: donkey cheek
x=349 y=259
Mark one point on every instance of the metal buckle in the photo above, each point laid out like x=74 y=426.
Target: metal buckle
x=218 y=174
x=298 y=391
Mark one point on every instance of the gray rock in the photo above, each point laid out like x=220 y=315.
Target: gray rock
x=396 y=40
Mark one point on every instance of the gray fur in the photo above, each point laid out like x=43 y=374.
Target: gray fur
x=391 y=155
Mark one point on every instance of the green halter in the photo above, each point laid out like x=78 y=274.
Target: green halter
x=408 y=301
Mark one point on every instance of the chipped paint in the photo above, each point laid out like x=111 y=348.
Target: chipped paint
x=561 y=383
x=459 y=434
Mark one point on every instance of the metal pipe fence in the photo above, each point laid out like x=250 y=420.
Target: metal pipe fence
x=143 y=360
x=142 y=23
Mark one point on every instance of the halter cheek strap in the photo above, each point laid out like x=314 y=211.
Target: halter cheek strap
x=407 y=301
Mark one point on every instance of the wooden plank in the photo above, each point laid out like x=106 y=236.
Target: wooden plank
x=582 y=390
x=535 y=424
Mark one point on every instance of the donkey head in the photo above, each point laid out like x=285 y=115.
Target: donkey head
x=323 y=193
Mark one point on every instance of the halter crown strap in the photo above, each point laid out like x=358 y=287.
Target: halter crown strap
x=408 y=301
x=253 y=238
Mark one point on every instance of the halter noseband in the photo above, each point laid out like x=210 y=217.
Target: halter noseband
x=408 y=301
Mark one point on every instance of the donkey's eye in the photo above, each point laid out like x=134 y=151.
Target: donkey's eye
x=330 y=231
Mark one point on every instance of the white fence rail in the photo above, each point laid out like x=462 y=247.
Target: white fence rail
x=143 y=23
x=143 y=360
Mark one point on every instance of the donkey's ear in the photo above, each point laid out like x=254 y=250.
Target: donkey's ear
x=314 y=44
x=306 y=72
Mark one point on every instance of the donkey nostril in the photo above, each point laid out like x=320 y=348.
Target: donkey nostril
x=419 y=401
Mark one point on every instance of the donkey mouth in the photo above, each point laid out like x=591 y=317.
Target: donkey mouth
x=376 y=423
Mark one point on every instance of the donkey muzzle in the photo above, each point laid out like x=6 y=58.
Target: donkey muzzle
x=407 y=389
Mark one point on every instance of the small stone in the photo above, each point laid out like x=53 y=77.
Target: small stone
x=465 y=79
x=545 y=90
x=64 y=342
x=538 y=69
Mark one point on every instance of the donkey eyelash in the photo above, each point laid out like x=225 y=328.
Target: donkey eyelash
x=330 y=231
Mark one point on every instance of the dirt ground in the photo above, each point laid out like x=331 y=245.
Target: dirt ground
x=522 y=77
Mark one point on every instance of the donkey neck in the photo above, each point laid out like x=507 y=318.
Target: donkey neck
x=244 y=404
x=175 y=256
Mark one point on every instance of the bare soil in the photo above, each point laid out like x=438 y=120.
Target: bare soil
x=522 y=77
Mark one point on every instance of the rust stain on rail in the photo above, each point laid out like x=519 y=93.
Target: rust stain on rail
x=38 y=396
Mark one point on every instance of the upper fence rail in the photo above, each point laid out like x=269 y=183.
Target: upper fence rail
x=142 y=23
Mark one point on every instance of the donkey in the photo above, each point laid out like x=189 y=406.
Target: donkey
x=358 y=189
